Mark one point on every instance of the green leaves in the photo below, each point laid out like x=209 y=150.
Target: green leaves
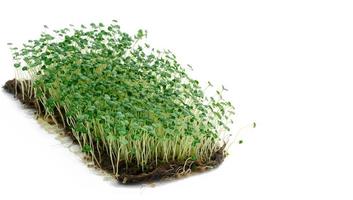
x=195 y=142
x=80 y=128
x=111 y=138
x=140 y=34
x=127 y=94
x=106 y=97
x=120 y=115
x=123 y=141
x=86 y=148
x=93 y=25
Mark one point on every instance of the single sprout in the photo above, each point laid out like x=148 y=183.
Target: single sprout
x=224 y=89
x=140 y=34
x=209 y=84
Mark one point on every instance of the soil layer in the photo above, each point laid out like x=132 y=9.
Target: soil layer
x=131 y=174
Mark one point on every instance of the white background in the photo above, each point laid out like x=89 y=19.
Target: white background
x=287 y=65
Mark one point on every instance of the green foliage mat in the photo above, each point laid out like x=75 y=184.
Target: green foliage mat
x=133 y=109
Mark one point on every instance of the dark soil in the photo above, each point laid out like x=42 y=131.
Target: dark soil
x=131 y=174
